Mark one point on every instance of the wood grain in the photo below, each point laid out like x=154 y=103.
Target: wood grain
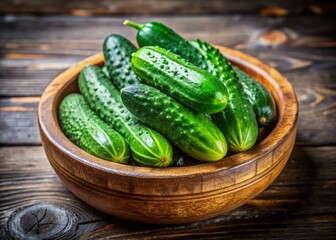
x=174 y=7
x=299 y=204
x=18 y=121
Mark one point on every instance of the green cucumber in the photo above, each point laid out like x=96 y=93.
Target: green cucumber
x=192 y=133
x=192 y=86
x=82 y=126
x=117 y=53
x=259 y=97
x=237 y=121
x=238 y=114
x=158 y=34
x=148 y=147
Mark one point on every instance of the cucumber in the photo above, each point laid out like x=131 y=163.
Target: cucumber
x=192 y=86
x=158 y=34
x=82 y=126
x=148 y=147
x=237 y=121
x=238 y=114
x=117 y=53
x=259 y=97
x=192 y=133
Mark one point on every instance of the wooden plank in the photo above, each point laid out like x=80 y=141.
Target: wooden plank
x=224 y=29
x=300 y=203
x=18 y=121
x=174 y=7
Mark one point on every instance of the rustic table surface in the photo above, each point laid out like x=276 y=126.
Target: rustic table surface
x=39 y=39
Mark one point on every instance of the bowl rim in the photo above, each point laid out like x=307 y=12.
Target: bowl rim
x=285 y=125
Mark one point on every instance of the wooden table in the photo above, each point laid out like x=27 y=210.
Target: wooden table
x=299 y=41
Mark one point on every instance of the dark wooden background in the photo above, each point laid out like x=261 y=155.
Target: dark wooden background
x=39 y=39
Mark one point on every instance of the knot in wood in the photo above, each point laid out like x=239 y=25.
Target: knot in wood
x=42 y=221
x=273 y=38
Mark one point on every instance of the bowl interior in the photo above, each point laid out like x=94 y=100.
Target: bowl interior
x=72 y=87
x=284 y=124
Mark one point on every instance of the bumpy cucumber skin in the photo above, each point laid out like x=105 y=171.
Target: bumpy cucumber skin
x=259 y=97
x=237 y=121
x=192 y=133
x=82 y=126
x=158 y=34
x=243 y=135
x=117 y=53
x=191 y=85
x=148 y=147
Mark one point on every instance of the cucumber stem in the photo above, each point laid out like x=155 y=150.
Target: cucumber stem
x=133 y=24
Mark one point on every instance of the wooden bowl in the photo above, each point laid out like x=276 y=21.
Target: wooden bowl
x=176 y=194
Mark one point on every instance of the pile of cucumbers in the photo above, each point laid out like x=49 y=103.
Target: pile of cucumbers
x=172 y=102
